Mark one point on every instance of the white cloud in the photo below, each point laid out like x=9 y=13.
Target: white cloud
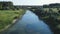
x=32 y=2
x=50 y=1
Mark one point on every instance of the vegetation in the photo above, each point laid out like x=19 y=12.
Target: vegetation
x=6 y=5
x=7 y=16
x=8 y=13
x=50 y=14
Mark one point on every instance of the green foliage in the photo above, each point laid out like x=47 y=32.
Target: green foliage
x=6 y=5
x=7 y=16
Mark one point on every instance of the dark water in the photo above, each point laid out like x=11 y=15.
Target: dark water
x=29 y=24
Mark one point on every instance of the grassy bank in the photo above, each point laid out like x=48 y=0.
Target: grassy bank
x=7 y=16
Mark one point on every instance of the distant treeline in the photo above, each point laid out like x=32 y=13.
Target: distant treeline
x=7 y=6
x=53 y=5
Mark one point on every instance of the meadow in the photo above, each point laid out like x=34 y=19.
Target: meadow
x=7 y=16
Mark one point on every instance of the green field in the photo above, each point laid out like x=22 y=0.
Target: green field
x=7 y=16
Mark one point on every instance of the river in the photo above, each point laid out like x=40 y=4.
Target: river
x=29 y=24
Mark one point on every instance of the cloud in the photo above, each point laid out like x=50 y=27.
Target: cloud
x=32 y=2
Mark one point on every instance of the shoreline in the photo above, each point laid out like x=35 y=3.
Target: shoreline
x=13 y=22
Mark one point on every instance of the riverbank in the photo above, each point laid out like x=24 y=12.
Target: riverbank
x=51 y=18
x=14 y=19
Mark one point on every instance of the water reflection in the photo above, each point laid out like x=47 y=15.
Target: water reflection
x=29 y=24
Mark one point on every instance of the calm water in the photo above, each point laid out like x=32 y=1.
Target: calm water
x=29 y=24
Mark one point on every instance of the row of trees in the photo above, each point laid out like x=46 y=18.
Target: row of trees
x=54 y=5
x=6 y=5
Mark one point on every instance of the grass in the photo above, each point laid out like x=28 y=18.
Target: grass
x=53 y=9
x=58 y=17
x=7 y=16
x=45 y=17
x=55 y=16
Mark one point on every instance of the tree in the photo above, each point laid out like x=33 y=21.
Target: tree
x=6 y=5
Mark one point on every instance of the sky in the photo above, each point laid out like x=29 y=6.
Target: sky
x=32 y=2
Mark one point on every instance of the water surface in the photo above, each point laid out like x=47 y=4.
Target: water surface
x=29 y=24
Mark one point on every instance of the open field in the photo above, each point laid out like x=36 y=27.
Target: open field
x=7 y=16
